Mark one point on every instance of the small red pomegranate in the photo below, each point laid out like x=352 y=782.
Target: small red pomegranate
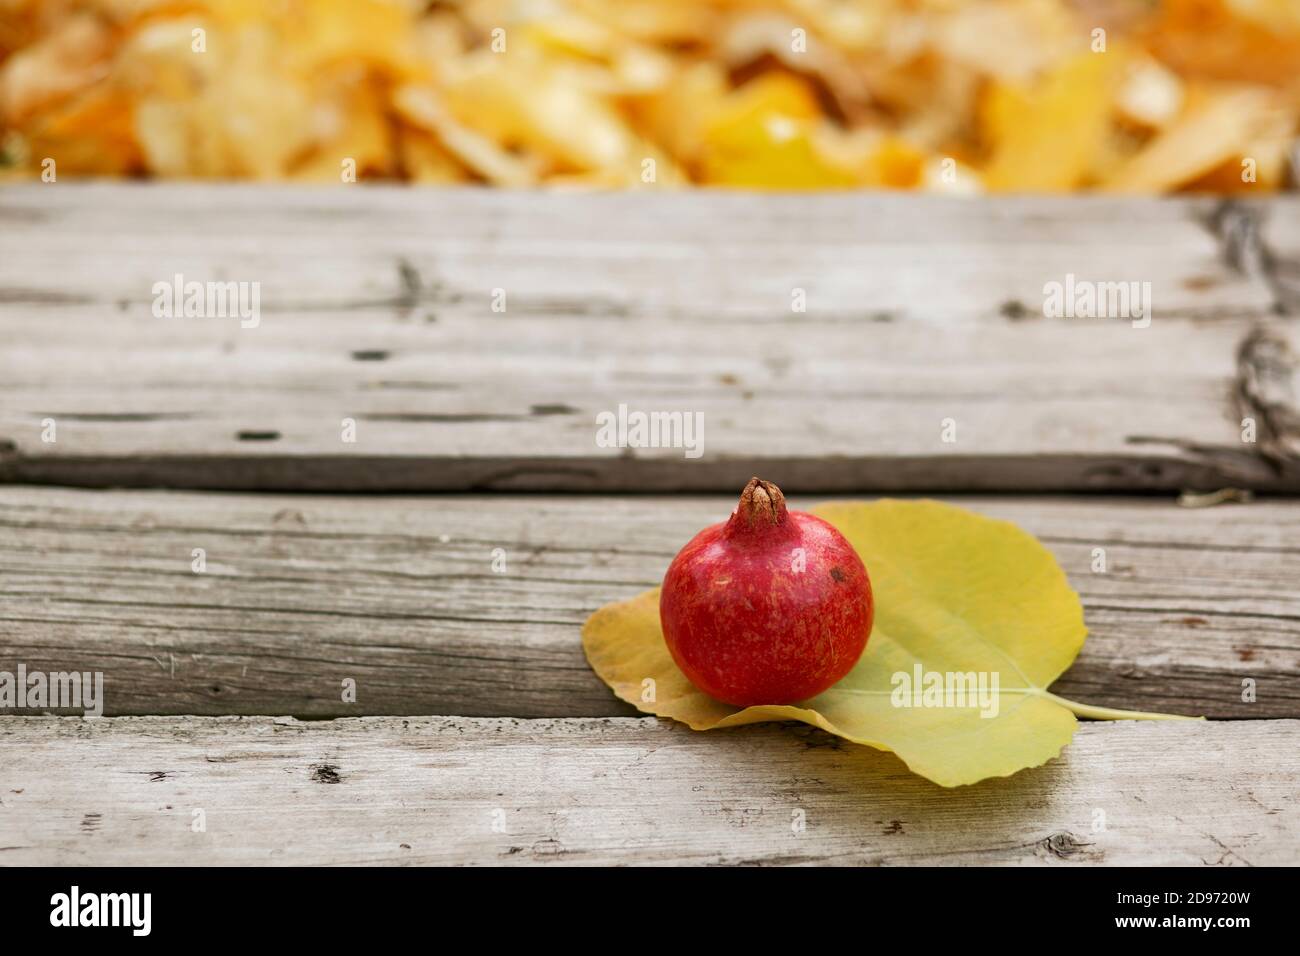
x=772 y=607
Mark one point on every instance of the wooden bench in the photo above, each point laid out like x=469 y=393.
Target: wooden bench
x=478 y=734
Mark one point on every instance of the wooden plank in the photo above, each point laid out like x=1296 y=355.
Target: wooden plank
x=400 y=595
x=619 y=791
x=377 y=307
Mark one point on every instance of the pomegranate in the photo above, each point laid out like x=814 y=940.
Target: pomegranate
x=770 y=607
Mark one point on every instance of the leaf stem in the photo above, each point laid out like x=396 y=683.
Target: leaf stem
x=1111 y=713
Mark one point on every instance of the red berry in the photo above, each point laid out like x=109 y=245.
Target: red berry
x=770 y=607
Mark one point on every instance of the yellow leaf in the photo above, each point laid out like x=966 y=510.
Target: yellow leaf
x=896 y=165
x=322 y=33
x=61 y=65
x=956 y=593
x=679 y=115
x=762 y=137
x=1244 y=41
x=1150 y=94
x=1048 y=139
x=425 y=160
x=1220 y=127
x=422 y=108
x=524 y=100
x=92 y=134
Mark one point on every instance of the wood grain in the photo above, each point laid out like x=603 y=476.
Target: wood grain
x=376 y=307
x=625 y=791
x=399 y=595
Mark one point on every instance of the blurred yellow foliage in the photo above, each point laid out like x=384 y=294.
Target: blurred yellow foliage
x=961 y=96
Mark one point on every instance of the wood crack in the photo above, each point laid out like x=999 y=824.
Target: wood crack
x=1239 y=229
x=1266 y=389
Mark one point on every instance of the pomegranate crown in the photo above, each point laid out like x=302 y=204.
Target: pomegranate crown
x=761 y=506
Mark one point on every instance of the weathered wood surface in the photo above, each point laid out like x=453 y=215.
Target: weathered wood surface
x=609 y=791
x=376 y=306
x=400 y=595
